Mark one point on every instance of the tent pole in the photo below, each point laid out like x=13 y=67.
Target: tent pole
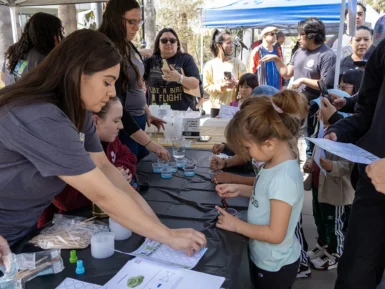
x=202 y=37
x=340 y=35
x=12 y=10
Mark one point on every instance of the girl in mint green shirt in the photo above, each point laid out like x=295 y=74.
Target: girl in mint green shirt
x=267 y=129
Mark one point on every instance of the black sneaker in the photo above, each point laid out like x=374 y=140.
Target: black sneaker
x=303 y=271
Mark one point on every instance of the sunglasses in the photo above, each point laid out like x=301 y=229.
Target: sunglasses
x=134 y=22
x=271 y=34
x=166 y=40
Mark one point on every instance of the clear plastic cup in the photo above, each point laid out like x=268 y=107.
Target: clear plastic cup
x=157 y=167
x=178 y=148
x=189 y=170
x=103 y=245
x=166 y=173
x=173 y=166
x=121 y=233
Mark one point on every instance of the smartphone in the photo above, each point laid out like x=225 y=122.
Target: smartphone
x=165 y=65
x=360 y=63
x=204 y=138
x=228 y=75
x=322 y=88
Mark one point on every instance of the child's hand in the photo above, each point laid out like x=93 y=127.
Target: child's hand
x=308 y=166
x=326 y=164
x=227 y=191
x=217 y=163
x=218 y=148
x=226 y=221
x=5 y=258
x=126 y=174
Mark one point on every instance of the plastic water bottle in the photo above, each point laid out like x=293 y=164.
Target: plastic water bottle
x=164 y=110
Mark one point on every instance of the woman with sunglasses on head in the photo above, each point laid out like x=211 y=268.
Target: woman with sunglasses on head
x=172 y=76
x=122 y=20
x=41 y=34
x=221 y=74
x=48 y=139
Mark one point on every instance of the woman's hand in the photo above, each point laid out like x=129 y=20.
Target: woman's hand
x=229 y=84
x=218 y=148
x=297 y=83
x=337 y=101
x=217 y=163
x=159 y=123
x=226 y=221
x=188 y=240
x=228 y=191
x=376 y=172
x=171 y=75
x=126 y=173
x=159 y=150
x=5 y=255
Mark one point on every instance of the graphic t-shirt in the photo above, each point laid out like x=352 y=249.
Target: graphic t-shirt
x=172 y=93
x=38 y=143
x=283 y=183
x=30 y=60
x=312 y=64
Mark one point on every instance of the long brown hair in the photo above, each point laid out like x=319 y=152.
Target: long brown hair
x=157 y=40
x=114 y=27
x=262 y=118
x=57 y=78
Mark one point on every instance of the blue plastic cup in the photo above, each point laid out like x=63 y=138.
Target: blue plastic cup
x=180 y=163
x=189 y=170
x=166 y=173
x=173 y=166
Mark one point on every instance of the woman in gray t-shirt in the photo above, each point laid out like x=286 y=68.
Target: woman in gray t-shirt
x=48 y=139
x=122 y=19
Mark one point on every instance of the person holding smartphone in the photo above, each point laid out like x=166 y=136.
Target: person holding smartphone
x=221 y=74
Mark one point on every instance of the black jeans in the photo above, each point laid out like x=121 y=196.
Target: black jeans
x=283 y=279
x=363 y=261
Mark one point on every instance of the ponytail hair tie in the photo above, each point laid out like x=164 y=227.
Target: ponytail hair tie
x=276 y=108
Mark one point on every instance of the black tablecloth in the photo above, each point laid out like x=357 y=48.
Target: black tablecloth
x=179 y=202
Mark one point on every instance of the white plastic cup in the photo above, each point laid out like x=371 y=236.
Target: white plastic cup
x=121 y=233
x=102 y=245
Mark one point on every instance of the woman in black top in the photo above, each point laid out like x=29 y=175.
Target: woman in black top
x=122 y=19
x=175 y=87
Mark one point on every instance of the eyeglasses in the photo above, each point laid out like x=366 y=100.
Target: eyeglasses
x=134 y=22
x=342 y=87
x=166 y=40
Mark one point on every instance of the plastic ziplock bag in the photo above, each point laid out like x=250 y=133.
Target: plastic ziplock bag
x=27 y=266
x=69 y=232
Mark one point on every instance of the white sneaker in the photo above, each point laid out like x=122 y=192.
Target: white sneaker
x=317 y=252
x=326 y=262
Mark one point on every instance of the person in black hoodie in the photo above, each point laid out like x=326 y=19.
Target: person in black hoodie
x=362 y=263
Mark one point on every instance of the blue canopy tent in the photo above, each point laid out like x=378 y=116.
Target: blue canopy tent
x=261 y=13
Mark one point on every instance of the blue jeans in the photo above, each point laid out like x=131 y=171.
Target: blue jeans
x=137 y=149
